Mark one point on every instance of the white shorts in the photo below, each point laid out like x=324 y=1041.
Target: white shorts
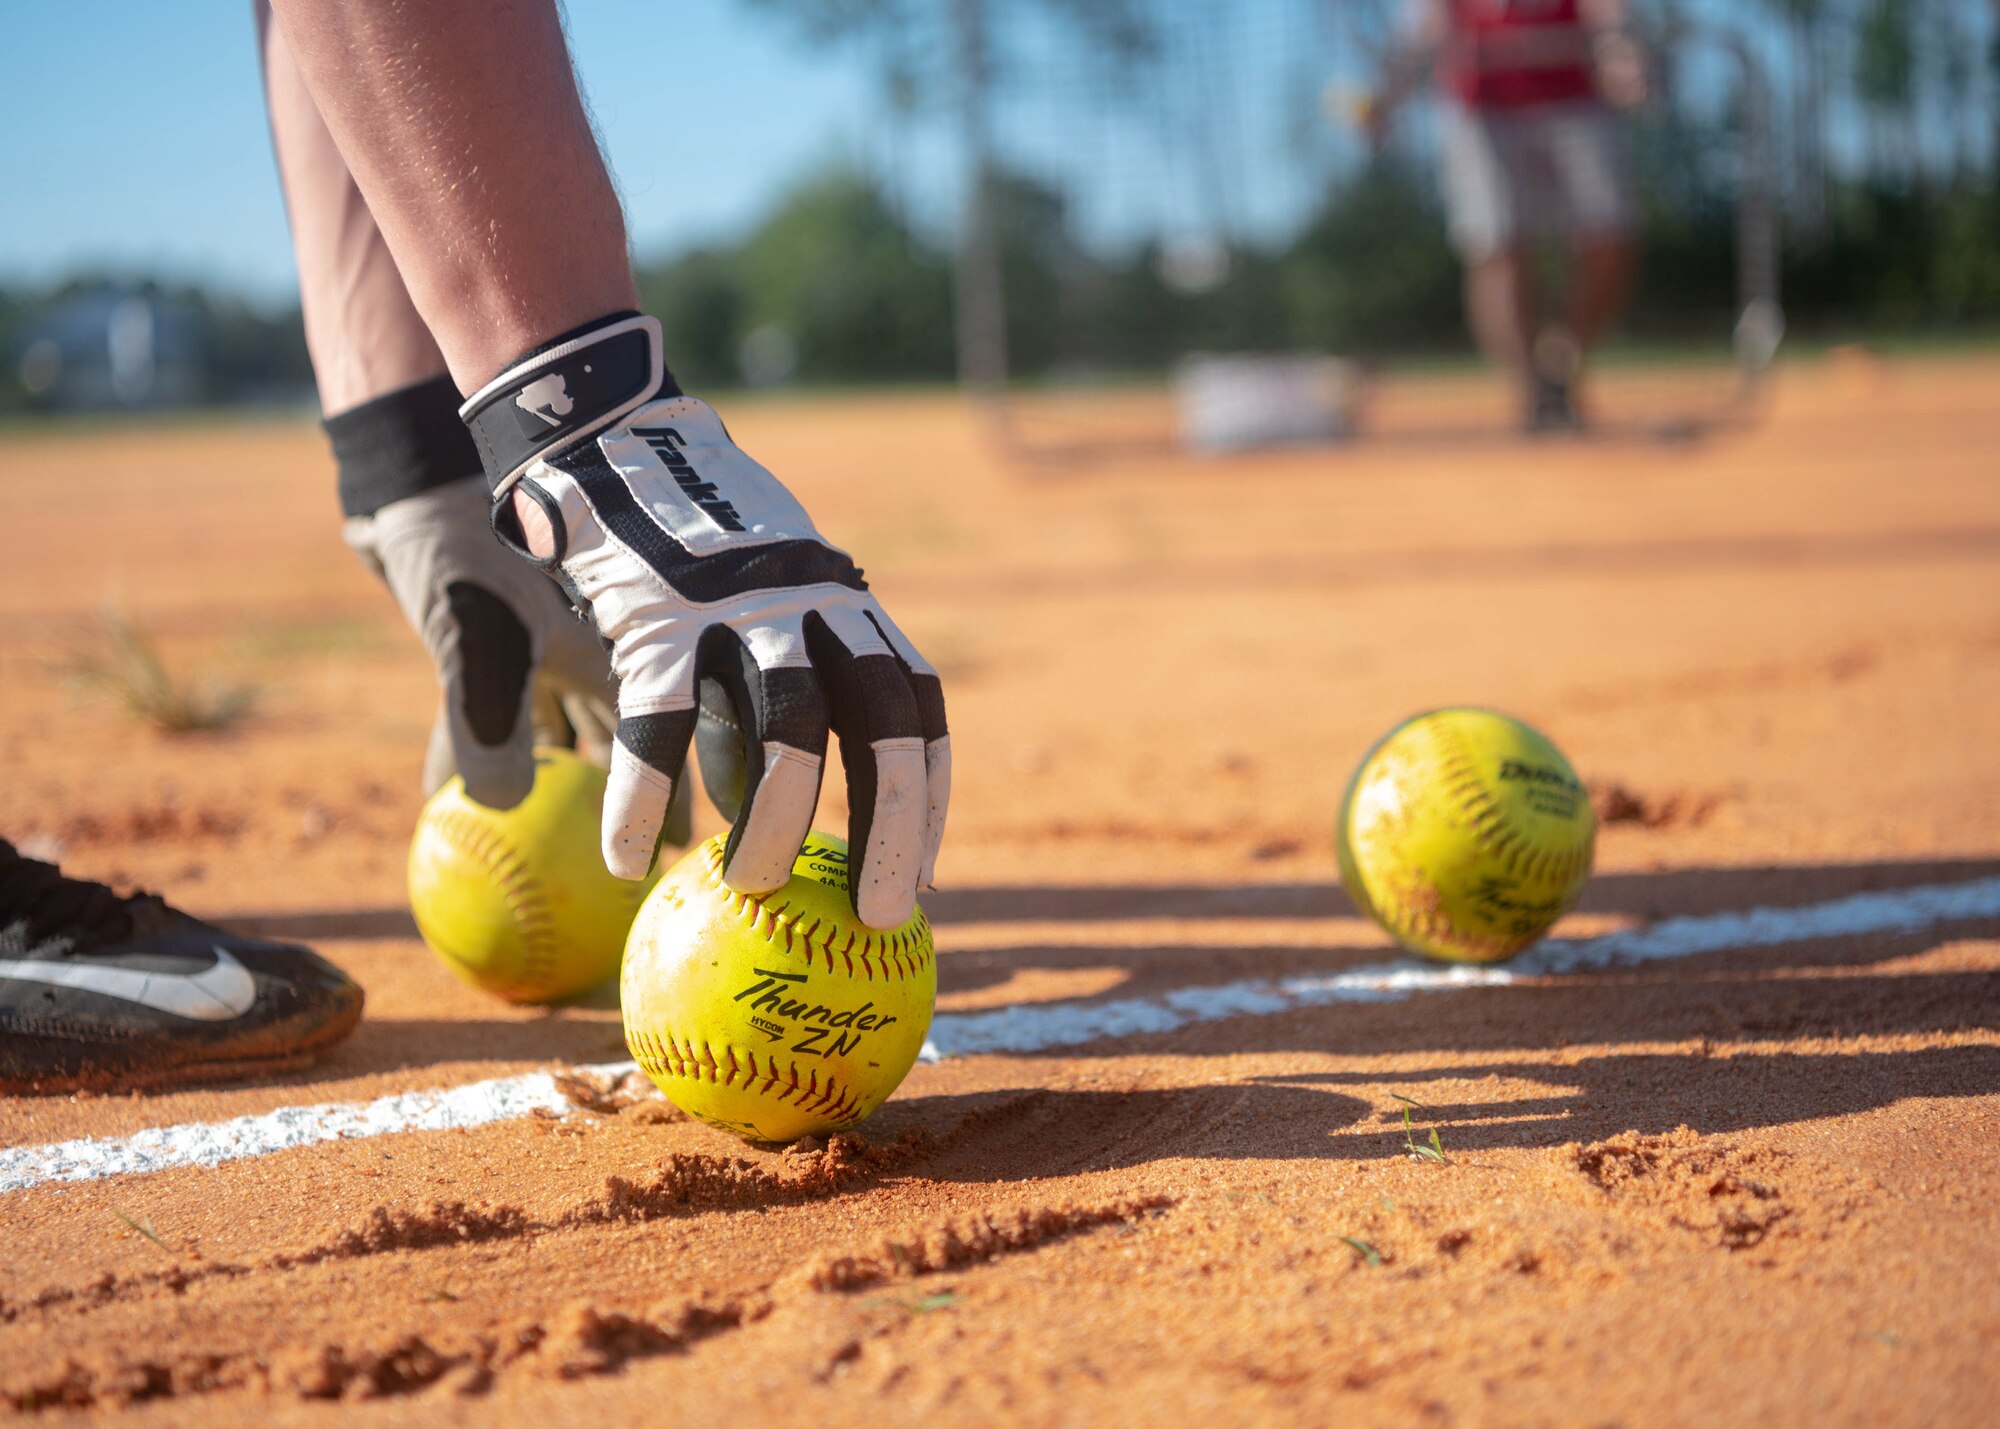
x=1551 y=171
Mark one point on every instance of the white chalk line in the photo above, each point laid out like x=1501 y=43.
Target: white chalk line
x=1037 y=1027
x=211 y=1143
x=1033 y=1027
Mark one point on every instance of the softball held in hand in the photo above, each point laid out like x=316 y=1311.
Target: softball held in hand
x=779 y=1016
x=1465 y=834
x=518 y=901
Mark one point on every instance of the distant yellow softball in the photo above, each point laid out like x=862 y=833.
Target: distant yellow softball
x=518 y=901
x=1465 y=834
x=774 y=1017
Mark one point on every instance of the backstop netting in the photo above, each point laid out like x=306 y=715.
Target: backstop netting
x=1159 y=183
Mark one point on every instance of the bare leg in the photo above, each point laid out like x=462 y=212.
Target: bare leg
x=361 y=327
x=462 y=126
x=1501 y=308
x=1600 y=286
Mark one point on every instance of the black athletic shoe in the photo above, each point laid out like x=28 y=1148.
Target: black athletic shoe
x=110 y=993
x=1551 y=407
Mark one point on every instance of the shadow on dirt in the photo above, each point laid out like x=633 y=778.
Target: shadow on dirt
x=992 y=1136
x=1657 y=1092
x=1728 y=998
x=1808 y=989
x=382 y=1044
x=1651 y=1006
x=1023 y=1133
x=309 y=925
x=1646 y=896
x=1665 y=894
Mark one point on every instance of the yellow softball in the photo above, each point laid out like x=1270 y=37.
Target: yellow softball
x=774 y=1017
x=518 y=901
x=1465 y=834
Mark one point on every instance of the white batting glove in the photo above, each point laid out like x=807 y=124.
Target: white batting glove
x=705 y=574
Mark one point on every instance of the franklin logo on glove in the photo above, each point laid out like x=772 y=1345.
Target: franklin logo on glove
x=665 y=442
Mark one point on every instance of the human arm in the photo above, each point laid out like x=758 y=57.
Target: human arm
x=1412 y=55
x=1617 y=56
x=461 y=123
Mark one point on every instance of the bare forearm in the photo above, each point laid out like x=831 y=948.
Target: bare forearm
x=461 y=123
x=1413 y=57
x=1601 y=16
x=1404 y=75
x=1618 y=58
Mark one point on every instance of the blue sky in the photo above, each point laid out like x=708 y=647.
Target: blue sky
x=135 y=139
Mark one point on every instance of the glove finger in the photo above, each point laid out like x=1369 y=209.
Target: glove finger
x=874 y=713
x=647 y=754
x=440 y=763
x=780 y=741
x=929 y=691
x=721 y=750
x=679 y=828
x=549 y=719
x=593 y=718
x=359 y=534
x=481 y=616
x=573 y=655
x=485 y=661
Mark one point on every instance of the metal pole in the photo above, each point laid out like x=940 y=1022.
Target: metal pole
x=980 y=292
x=1760 y=323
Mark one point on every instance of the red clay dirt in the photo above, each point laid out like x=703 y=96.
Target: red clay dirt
x=1747 y=1186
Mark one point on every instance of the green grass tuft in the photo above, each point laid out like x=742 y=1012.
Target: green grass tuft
x=121 y=657
x=1433 y=1150
x=144 y=1228
x=917 y=1304
x=1370 y=1256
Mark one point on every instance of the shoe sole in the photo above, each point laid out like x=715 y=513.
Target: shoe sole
x=293 y=1056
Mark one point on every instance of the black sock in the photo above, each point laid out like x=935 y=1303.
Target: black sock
x=400 y=444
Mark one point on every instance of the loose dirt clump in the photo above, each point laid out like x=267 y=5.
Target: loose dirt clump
x=610 y=1093
x=439 y=1223
x=688 y=1182
x=587 y=1341
x=406 y=1364
x=81 y=1383
x=1718 y=1190
x=582 y=1340
x=1615 y=803
x=165 y=823
x=986 y=1237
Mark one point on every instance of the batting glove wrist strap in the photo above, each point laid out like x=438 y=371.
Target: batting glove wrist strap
x=715 y=590
x=565 y=390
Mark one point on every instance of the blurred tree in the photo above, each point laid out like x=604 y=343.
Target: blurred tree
x=835 y=272
x=699 y=299
x=1885 y=68
x=1806 y=23
x=831 y=277
x=1374 y=267
x=839 y=282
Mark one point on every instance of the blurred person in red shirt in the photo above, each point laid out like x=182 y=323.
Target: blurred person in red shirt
x=1530 y=150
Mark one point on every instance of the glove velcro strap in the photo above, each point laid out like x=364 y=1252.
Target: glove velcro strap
x=577 y=384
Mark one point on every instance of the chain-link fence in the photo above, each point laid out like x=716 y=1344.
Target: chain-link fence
x=1155 y=185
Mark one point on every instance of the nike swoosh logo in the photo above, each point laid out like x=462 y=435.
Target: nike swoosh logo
x=217 y=993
